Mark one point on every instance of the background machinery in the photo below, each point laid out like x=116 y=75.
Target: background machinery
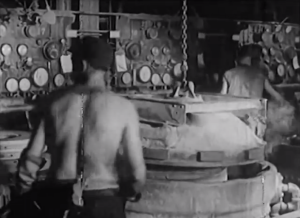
x=151 y=57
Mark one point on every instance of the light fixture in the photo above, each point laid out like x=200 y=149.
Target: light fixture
x=59 y=80
x=167 y=79
x=40 y=77
x=126 y=78
x=24 y=84
x=155 y=79
x=22 y=49
x=6 y=49
x=12 y=85
x=145 y=74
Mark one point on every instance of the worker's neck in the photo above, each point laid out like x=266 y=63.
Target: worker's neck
x=96 y=79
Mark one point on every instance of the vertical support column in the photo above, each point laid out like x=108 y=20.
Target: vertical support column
x=63 y=5
x=89 y=22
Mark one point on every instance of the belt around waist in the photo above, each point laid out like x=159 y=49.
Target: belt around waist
x=90 y=184
x=100 y=193
x=95 y=184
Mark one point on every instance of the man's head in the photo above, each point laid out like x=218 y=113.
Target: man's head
x=97 y=54
x=249 y=55
x=93 y=57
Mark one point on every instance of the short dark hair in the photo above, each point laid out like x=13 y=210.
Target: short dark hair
x=97 y=52
x=253 y=51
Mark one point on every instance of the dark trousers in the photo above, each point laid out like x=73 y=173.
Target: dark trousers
x=54 y=201
x=102 y=204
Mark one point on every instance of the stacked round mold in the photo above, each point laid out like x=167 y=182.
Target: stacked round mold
x=243 y=186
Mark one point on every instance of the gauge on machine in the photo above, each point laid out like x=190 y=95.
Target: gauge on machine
x=40 y=77
x=155 y=51
x=166 y=50
x=155 y=79
x=24 y=84
x=126 y=78
x=59 y=80
x=6 y=49
x=167 y=79
x=145 y=74
x=12 y=85
x=22 y=49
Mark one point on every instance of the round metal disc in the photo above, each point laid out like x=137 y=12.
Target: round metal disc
x=155 y=51
x=22 y=49
x=126 y=78
x=40 y=77
x=12 y=85
x=145 y=74
x=59 y=80
x=280 y=70
x=24 y=84
x=6 y=49
x=152 y=33
x=155 y=79
x=167 y=79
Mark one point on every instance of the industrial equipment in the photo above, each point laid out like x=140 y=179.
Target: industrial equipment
x=185 y=178
x=279 y=42
x=31 y=50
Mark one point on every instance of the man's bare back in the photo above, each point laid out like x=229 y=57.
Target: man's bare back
x=111 y=126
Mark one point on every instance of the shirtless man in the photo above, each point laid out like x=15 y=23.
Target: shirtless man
x=248 y=79
x=107 y=130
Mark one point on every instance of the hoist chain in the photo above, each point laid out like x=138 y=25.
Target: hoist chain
x=184 y=38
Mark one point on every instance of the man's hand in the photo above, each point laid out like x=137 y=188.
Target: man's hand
x=224 y=89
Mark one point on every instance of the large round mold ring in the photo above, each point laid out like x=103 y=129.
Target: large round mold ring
x=231 y=199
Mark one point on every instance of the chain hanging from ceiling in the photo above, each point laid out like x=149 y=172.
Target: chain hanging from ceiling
x=184 y=39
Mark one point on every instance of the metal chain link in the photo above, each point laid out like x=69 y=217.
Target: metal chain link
x=184 y=39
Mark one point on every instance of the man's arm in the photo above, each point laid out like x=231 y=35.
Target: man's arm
x=225 y=83
x=133 y=148
x=272 y=92
x=224 y=89
x=31 y=159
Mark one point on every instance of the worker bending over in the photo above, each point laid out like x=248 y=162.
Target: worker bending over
x=87 y=129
